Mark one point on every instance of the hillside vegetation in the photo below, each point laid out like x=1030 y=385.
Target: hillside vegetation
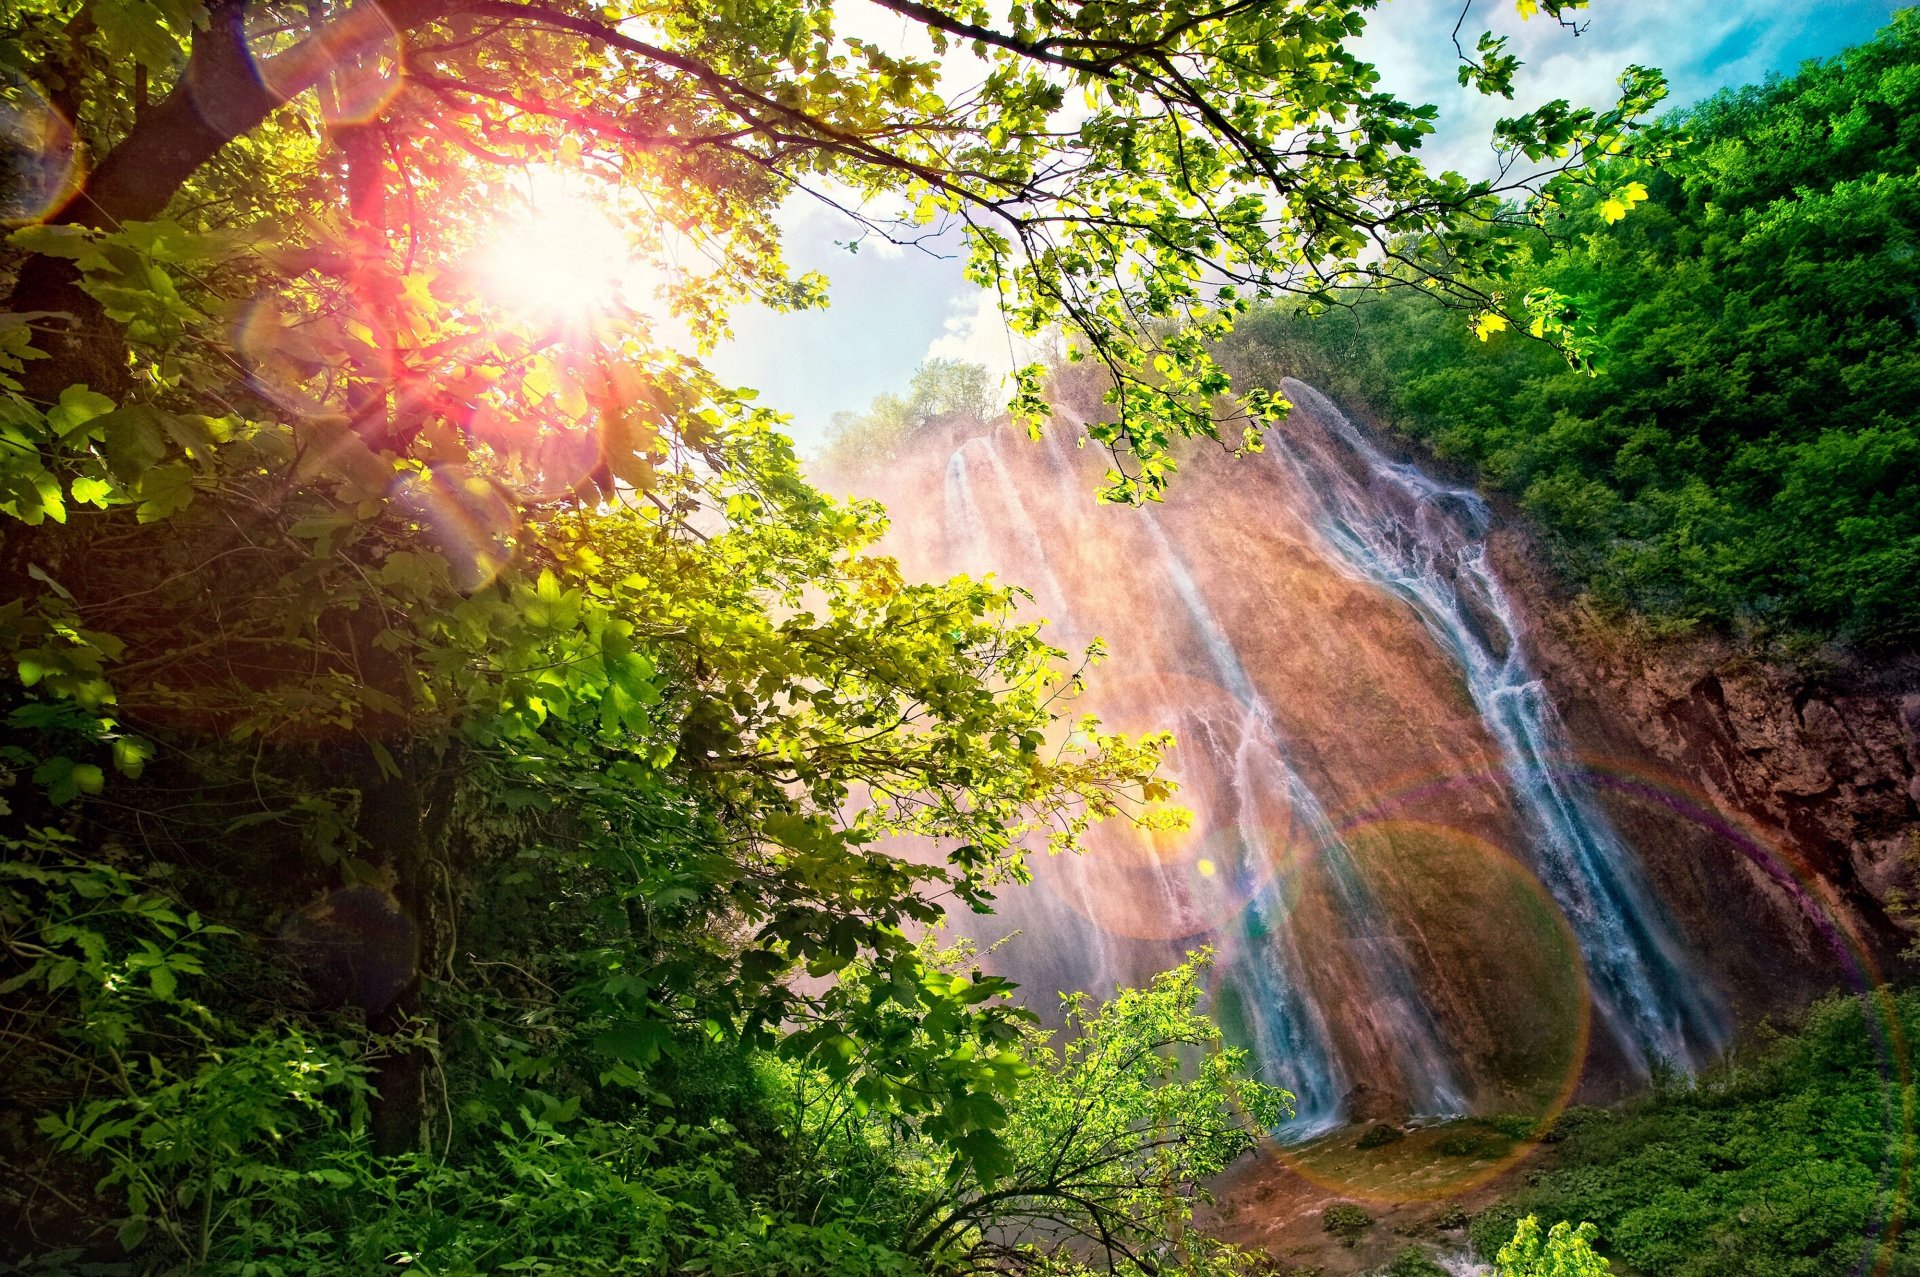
x=1748 y=455
x=1790 y=1162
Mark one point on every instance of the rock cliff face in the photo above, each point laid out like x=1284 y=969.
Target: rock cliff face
x=1779 y=808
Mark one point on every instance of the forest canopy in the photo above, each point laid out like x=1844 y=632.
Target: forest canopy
x=1748 y=457
x=472 y=805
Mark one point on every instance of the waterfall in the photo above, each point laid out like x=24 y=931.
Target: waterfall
x=1400 y=1029
x=1324 y=966
x=1260 y=962
x=1084 y=957
x=1387 y=523
x=1027 y=540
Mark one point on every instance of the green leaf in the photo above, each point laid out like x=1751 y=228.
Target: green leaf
x=164 y=491
x=78 y=244
x=65 y=780
x=90 y=490
x=78 y=406
x=1619 y=203
x=135 y=29
x=637 y=1041
x=130 y=755
x=132 y=440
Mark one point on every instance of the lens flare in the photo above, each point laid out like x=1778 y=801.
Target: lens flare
x=304 y=364
x=1528 y=1025
x=353 y=64
x=39 y=158
x=284 y=365
x=540 y=458
x=466 y=517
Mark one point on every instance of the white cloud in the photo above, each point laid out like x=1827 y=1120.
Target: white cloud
x=977 y=333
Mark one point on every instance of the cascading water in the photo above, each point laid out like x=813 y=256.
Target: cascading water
x=1085 y=950
x=1263 y=968
x=1387 y=523
x=1397 y=1026
x=1027 y=542
x=1324 y=638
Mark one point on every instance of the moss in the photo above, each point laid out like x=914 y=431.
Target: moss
x=1413 y=1262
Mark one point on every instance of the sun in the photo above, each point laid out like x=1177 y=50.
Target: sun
x=565 y=255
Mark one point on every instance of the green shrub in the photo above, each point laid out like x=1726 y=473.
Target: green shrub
x=1775 y=1167
x=1578 y=1118
x=1565 y=1251
x=1413 y=1262
x=1346 y=1221
x=1493 y=1228
x=1515 y=1126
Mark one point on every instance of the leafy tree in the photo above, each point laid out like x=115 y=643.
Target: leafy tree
x=1110 y=161
x=1110 y=1139
x=940 y=388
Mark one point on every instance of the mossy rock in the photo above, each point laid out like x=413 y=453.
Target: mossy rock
x=1379 y=1135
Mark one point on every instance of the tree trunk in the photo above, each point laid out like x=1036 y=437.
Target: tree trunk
x=392 y=827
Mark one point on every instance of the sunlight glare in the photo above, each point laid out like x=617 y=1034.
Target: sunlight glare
x=566 y=257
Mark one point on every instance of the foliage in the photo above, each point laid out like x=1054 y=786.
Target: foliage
x=1565 y=1251
x=1747 y=456
x=237 y=1150
x=1788 y=1162
x=1119 y=1121
x=1346 y=1221
x=861 y=443
x=1134 y=173
x=470 y=798
x=1412 y=1262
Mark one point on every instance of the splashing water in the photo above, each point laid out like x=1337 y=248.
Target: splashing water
x=1387 y=523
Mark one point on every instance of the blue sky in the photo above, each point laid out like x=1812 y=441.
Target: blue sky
x=891 y=309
